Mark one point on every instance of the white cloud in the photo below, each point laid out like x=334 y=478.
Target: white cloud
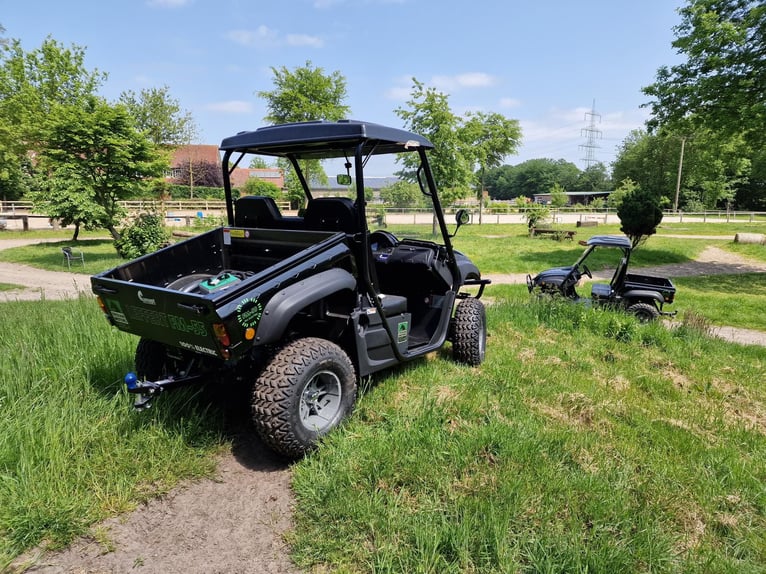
x=304 y=40
x=265 y=37
x=459 y=81
x=167 y=3
x=262 y=35
x=231 y=107
x=398 y=93
x=509 y=103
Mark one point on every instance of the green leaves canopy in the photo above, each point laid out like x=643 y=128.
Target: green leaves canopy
x=94 y=148
x=721 y=84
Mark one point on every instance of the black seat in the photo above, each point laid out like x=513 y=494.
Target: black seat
x=256 y=211
x=331 y=214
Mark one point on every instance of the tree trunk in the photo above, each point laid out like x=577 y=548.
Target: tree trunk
x=76 y=230
x=113 y=232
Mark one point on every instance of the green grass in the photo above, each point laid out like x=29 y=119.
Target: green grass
x=72 y=451
x=9 y=286
x=733 y=300
x=586 y=442
x=99 y=255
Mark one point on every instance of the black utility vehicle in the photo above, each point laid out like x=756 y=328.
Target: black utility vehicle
x=301 y=306
x=641 y=295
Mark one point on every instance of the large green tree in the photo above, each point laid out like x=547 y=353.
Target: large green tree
x=160 y=116
x=94 y=156
x=303 y=94
x=720 y=84
x=490 y=138
x=531 y=177
x=32 y=84
x=428 y=113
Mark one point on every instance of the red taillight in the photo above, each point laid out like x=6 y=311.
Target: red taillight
x=221 y=334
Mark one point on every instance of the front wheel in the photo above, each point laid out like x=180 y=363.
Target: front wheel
x=304 y=391
x=469 y=334
x=644 y=312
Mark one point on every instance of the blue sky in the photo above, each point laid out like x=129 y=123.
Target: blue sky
x=542 y=62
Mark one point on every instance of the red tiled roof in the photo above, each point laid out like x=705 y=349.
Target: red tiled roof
x=195 y=153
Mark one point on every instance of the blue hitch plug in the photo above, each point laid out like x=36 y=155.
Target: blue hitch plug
x=130 y=381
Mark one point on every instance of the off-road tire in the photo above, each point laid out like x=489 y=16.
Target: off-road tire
x=151 y=360
x=469 y=332
x=644 y=312
x=305 y=390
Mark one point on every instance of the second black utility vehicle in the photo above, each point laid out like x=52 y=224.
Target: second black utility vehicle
x=643 y=295
x=299 y=306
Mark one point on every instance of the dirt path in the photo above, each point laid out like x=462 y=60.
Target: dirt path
x=234 y=523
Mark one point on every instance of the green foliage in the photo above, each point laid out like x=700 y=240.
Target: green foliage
x=640 y=214
x=159 y=116
x=428 y=114
x=255 y=186
x=96 y=147
x=200 y=192
x=32 y=84
x=146 y=234
x=558 y=196
x=305 y=94
x=534 y=176
x=402 y=194
x=720 y=82
x=536 y=214
x=626 y=186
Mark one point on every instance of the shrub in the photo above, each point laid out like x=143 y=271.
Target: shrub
x=147 y=233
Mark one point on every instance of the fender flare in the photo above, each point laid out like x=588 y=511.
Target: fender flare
x=283 y=306
x=642 y=295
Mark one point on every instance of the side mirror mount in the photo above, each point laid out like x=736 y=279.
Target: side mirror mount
x=462 y=217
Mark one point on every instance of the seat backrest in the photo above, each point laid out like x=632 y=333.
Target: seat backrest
x=256 y=211
x=67 y=252
x=331 y=214
x=619 y=273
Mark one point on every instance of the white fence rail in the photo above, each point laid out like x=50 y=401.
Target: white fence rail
x=20 y=214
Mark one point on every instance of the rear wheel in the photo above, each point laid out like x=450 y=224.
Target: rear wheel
x=304 y=391
x=469 y=334
x=644 y=312
x=151 y=360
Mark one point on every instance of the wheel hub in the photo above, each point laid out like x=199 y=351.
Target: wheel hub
x=320 y=401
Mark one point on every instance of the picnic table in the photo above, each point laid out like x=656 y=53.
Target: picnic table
x=557 y=234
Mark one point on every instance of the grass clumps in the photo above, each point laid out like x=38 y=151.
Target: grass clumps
x=586 y=442
x=71 y=450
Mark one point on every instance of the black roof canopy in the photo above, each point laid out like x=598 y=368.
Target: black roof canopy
x=323 y=139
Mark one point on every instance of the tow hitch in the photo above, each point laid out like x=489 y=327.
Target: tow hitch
x=147 y=390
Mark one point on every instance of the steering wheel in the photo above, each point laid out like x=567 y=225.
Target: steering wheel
x=586 y=271
x=380 y=239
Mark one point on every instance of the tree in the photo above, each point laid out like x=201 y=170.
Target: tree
x=594 y=178
x=199 y=173
x=100 y=154
x=490 y=138
x=31 y=85
x=534 y=176
x=160 y=116
x=255 y=186
x=402 y=194
x=639 y=214
x=300 y=95
x=429 y=114
x=626 y=187
x=558 y=196
x=712 y=168
x=720 y=85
